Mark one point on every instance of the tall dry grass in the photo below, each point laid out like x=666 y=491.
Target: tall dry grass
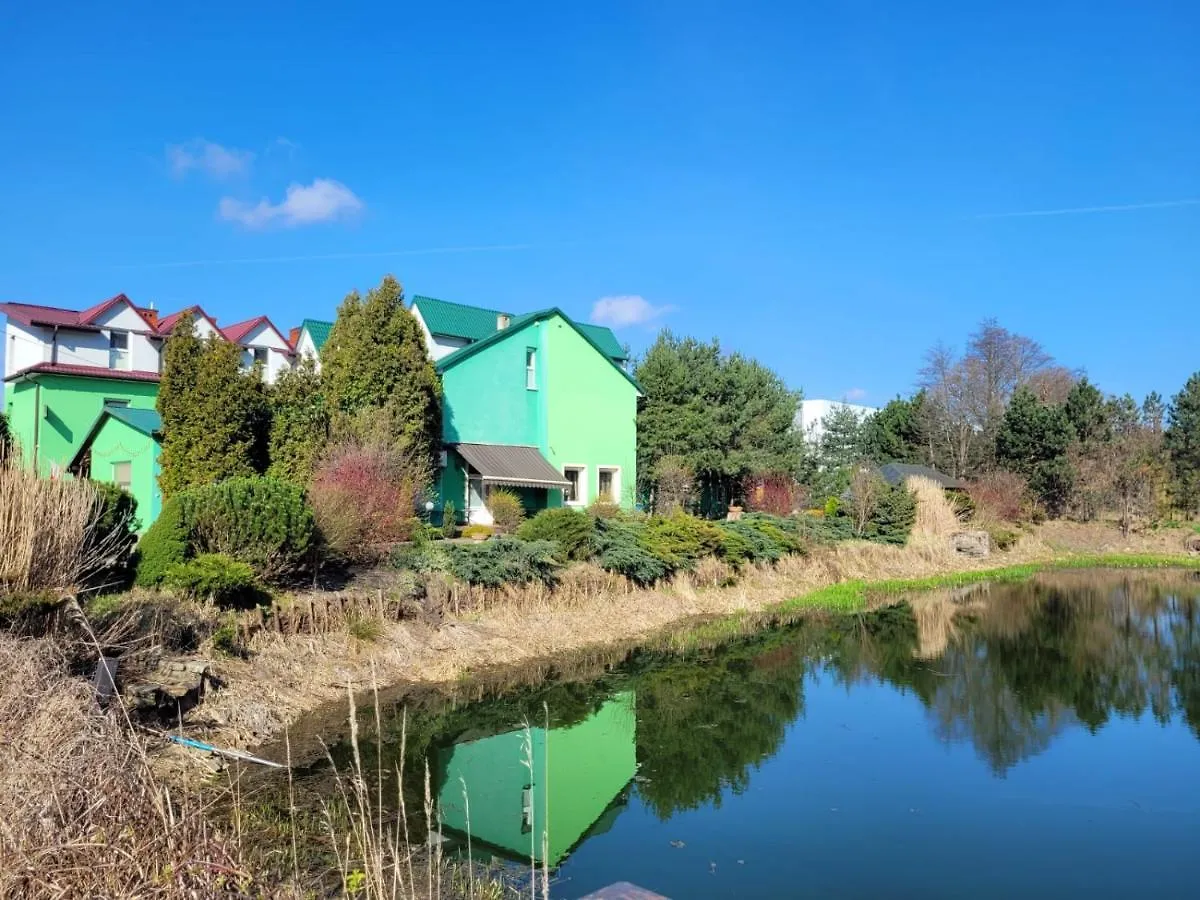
x=936 y=519
x=44 y=528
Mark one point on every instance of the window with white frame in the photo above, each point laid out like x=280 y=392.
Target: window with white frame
x=530 y=369
x=123 y=475
x=261 y=355
x=118 y=350
x=608 y=484
x=575 y=493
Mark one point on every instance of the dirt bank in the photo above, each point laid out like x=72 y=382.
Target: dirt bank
x=285 y=677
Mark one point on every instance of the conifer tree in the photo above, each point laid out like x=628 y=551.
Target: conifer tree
x=299 y=423
x=1182 y=440
x=379 y=380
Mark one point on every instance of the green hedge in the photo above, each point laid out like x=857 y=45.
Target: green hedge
x=262 y=522
x=573 y=531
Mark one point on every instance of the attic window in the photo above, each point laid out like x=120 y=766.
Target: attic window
x=118 y=350
x=261 y=355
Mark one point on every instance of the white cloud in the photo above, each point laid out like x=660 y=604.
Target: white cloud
x=324 y=200
x=855 y=394
x=214 y=160
x=629 y=309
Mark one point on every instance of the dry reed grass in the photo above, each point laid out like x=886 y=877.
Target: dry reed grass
x=936 y=519
x=44 y=526
x=81 y=815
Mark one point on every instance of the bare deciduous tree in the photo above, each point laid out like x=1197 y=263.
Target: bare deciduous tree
x=866 y=487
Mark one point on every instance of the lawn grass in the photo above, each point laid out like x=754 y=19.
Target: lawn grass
x=854 y=596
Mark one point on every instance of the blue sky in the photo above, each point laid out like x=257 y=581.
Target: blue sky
x=820 y=185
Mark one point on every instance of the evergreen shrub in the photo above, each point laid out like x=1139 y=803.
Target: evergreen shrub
x=573 y=531
x=164 y=544
x=220 y=579
x=505 y=560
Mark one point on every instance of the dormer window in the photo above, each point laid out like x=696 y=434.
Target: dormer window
x=118 y=350
x=261 y=356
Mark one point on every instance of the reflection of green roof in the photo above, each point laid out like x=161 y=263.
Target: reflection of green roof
x=474 y=323
x=317 y=330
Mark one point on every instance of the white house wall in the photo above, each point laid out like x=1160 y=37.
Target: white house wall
x=24 y=346
x=437 y=345
x=306 y=349
x=277 y=350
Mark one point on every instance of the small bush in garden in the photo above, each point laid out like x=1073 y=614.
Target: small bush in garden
x=113 y=535
x=367 y=495
x=426 y=558
x=895 y=513
x=368 y=629
x=573 y=531
x=775 y=493
x=506 y=509
x=1003 y=538
x=634 y=563
x=784 y=533
x=1000 y=495
x=164 y=544
x=214 y=577
x=449 y=525
x=506 y=560
x=263 y=522
x=604 y=509
x=478 y=532
x=679 y=539
x=736 y=548
x=762 y=547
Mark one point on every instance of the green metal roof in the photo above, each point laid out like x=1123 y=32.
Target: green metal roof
x=452 y=359
x=317 y=330
x=457 y=319
x=474 y=323
x=147 y=421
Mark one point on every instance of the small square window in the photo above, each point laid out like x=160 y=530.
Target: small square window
x=574 y=494
x=261 y=355
x=118 y=340
x=116 y=401
x=530 y=369
x=123 y=474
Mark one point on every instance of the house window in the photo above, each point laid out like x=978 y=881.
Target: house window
x=260 y=356
x=123 y=475
x=118 y=350
x=115 y=401
x=530 y=369
x=575 y=493
x=608 y=488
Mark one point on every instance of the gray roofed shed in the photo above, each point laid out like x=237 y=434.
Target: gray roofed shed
x=897 y=473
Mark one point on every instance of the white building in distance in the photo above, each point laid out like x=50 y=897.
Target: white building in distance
x=810 y=416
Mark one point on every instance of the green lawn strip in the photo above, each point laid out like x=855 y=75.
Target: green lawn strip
x=852 y=596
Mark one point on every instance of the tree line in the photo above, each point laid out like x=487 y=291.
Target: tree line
x=1002 y=413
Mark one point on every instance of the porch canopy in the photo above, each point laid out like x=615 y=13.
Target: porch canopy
x=511 y=464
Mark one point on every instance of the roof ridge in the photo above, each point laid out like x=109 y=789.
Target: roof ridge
x=489 y=309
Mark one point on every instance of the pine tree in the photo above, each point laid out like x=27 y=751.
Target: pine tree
x=894 y=433
x=299 y=423
x=214 y=415
x=379 y=379
x=1033 y=440
x=1182 y=440
x=1086 y=410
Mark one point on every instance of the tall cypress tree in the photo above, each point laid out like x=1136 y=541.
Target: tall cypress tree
x=299 y=423
x=214 y=414
x=1182 y=440
x=380 y=382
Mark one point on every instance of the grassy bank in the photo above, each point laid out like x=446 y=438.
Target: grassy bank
x=856 y=595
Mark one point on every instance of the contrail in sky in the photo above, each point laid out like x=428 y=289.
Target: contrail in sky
x=1086 y=210
x=252 y=260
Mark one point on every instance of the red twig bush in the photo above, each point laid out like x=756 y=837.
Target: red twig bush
x=1000 y=495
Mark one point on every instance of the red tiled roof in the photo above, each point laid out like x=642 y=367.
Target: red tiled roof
x=32 y=314
x=236 y=333
x=87 y=371
x=167 y=323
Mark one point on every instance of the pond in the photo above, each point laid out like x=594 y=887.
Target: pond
x=1037 y=739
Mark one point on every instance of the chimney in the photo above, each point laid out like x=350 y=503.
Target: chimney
x=502 y=321
x=294 y=337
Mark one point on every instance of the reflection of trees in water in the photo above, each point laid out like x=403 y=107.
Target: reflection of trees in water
x=1040 y=657
x=704 y=723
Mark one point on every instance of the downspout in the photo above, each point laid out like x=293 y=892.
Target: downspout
x=37 y=421
x=54 y=347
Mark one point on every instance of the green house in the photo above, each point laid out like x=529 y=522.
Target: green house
x=122 y=447
x=541 y=407
x=537 y=793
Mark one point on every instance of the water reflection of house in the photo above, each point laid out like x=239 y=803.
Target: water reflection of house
x=544 y=810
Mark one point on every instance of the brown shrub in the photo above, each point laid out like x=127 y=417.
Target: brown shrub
x=777 y=494
x=1000 y=495
x=364 y=496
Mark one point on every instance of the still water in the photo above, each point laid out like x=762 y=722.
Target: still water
x=1033 y=740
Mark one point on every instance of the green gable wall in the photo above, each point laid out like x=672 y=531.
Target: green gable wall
x=118 y=442
x=577 y=772
x=591 y=411
x=53 y=413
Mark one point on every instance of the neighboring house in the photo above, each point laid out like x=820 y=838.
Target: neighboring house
x=452 y=326
x=309 y=338
x=539 y=407
x=898 y=473
x=122 y=447
x=62 y=367
x=537 y=792
x=811 y=415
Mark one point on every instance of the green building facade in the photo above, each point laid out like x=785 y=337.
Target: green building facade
x=122 y=447
x=541 y=383
x=50 y=413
